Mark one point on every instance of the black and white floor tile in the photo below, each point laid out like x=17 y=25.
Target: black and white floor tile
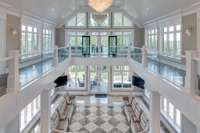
x=99 y=119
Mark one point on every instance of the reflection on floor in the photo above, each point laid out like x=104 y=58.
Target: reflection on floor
x=99 y=115
x=169 y=72
x=100 y=88
x=31 y=72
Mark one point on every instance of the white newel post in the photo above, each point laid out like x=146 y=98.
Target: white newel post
x=55 y=56
x=144 y=56
x=45 y=119
x=154 y=112
x=191 y=72
x=13 y=71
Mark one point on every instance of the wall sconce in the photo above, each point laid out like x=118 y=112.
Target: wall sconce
x=14 y=32
x=188 y=31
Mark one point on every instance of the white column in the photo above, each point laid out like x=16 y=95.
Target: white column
x=13 y=71
x=144 y=56
x=55 y=56
x=45 y=119
x=110 y=79
x=155 y=112
x=191 y=74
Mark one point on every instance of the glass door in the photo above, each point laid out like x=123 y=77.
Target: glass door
x=112 y=45
x=98 y=79
x=86 y=45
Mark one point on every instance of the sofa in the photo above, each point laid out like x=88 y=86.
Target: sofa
x=62 y=115
x=135 y=116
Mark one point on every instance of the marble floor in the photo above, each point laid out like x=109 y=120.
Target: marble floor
x=99 y=115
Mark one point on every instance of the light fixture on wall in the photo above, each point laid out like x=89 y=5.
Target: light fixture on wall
x=100 y=5
x=14 y=32
x=188 y=31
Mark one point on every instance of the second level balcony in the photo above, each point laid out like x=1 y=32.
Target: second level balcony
x=181 y=71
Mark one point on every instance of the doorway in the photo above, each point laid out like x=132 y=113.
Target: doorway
x=98 y=79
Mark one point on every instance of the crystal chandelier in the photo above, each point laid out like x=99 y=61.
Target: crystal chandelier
x=100 y=5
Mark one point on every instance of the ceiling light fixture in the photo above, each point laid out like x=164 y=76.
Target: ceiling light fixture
x=100 y=5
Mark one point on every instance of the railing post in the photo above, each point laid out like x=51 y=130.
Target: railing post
x=144 y=56
x=191 y=71
x=154 y=112
x=13 y=72
x=45 y=119
x=55 y=56
x=129 y=51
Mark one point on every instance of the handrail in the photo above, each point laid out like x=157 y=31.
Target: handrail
x=63 y=47
x=5 y=59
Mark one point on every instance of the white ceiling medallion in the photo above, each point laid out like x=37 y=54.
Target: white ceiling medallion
x=100 y=5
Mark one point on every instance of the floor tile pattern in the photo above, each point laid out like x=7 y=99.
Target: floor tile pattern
x=99 y=119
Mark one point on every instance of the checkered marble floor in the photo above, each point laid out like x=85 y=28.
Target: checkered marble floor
x=99 y=119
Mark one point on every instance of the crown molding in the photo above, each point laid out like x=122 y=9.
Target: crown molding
x=6 y=8
x=180 y=12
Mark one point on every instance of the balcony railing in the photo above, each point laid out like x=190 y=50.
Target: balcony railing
x=99 y=52
x=181 y=70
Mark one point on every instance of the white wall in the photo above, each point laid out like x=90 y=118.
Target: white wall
x=187 y=126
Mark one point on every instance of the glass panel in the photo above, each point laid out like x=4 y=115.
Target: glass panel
x=63 y=54
x=86 y=45
x=136 y=54
x=76 y=78
x=117 y=19
x=99 y=20
x=81 y=19
x=112 y=46
x=172 y=69
x=171 y=111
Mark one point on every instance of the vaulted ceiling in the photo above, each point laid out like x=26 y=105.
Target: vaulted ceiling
x=58 y=10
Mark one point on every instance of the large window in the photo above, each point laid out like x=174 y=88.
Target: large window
x=172 y=40
x=30 y=42
x=29 y=112
x=75 y=38
x=152 y=38
x=124 y=38
x=47 y=41
x=171 y=113
x=121 y=78
x=120 y=20
x=77 y=77
x=99 y=20
x=77 y=21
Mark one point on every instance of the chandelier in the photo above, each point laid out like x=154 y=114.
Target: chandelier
x=100 y=5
